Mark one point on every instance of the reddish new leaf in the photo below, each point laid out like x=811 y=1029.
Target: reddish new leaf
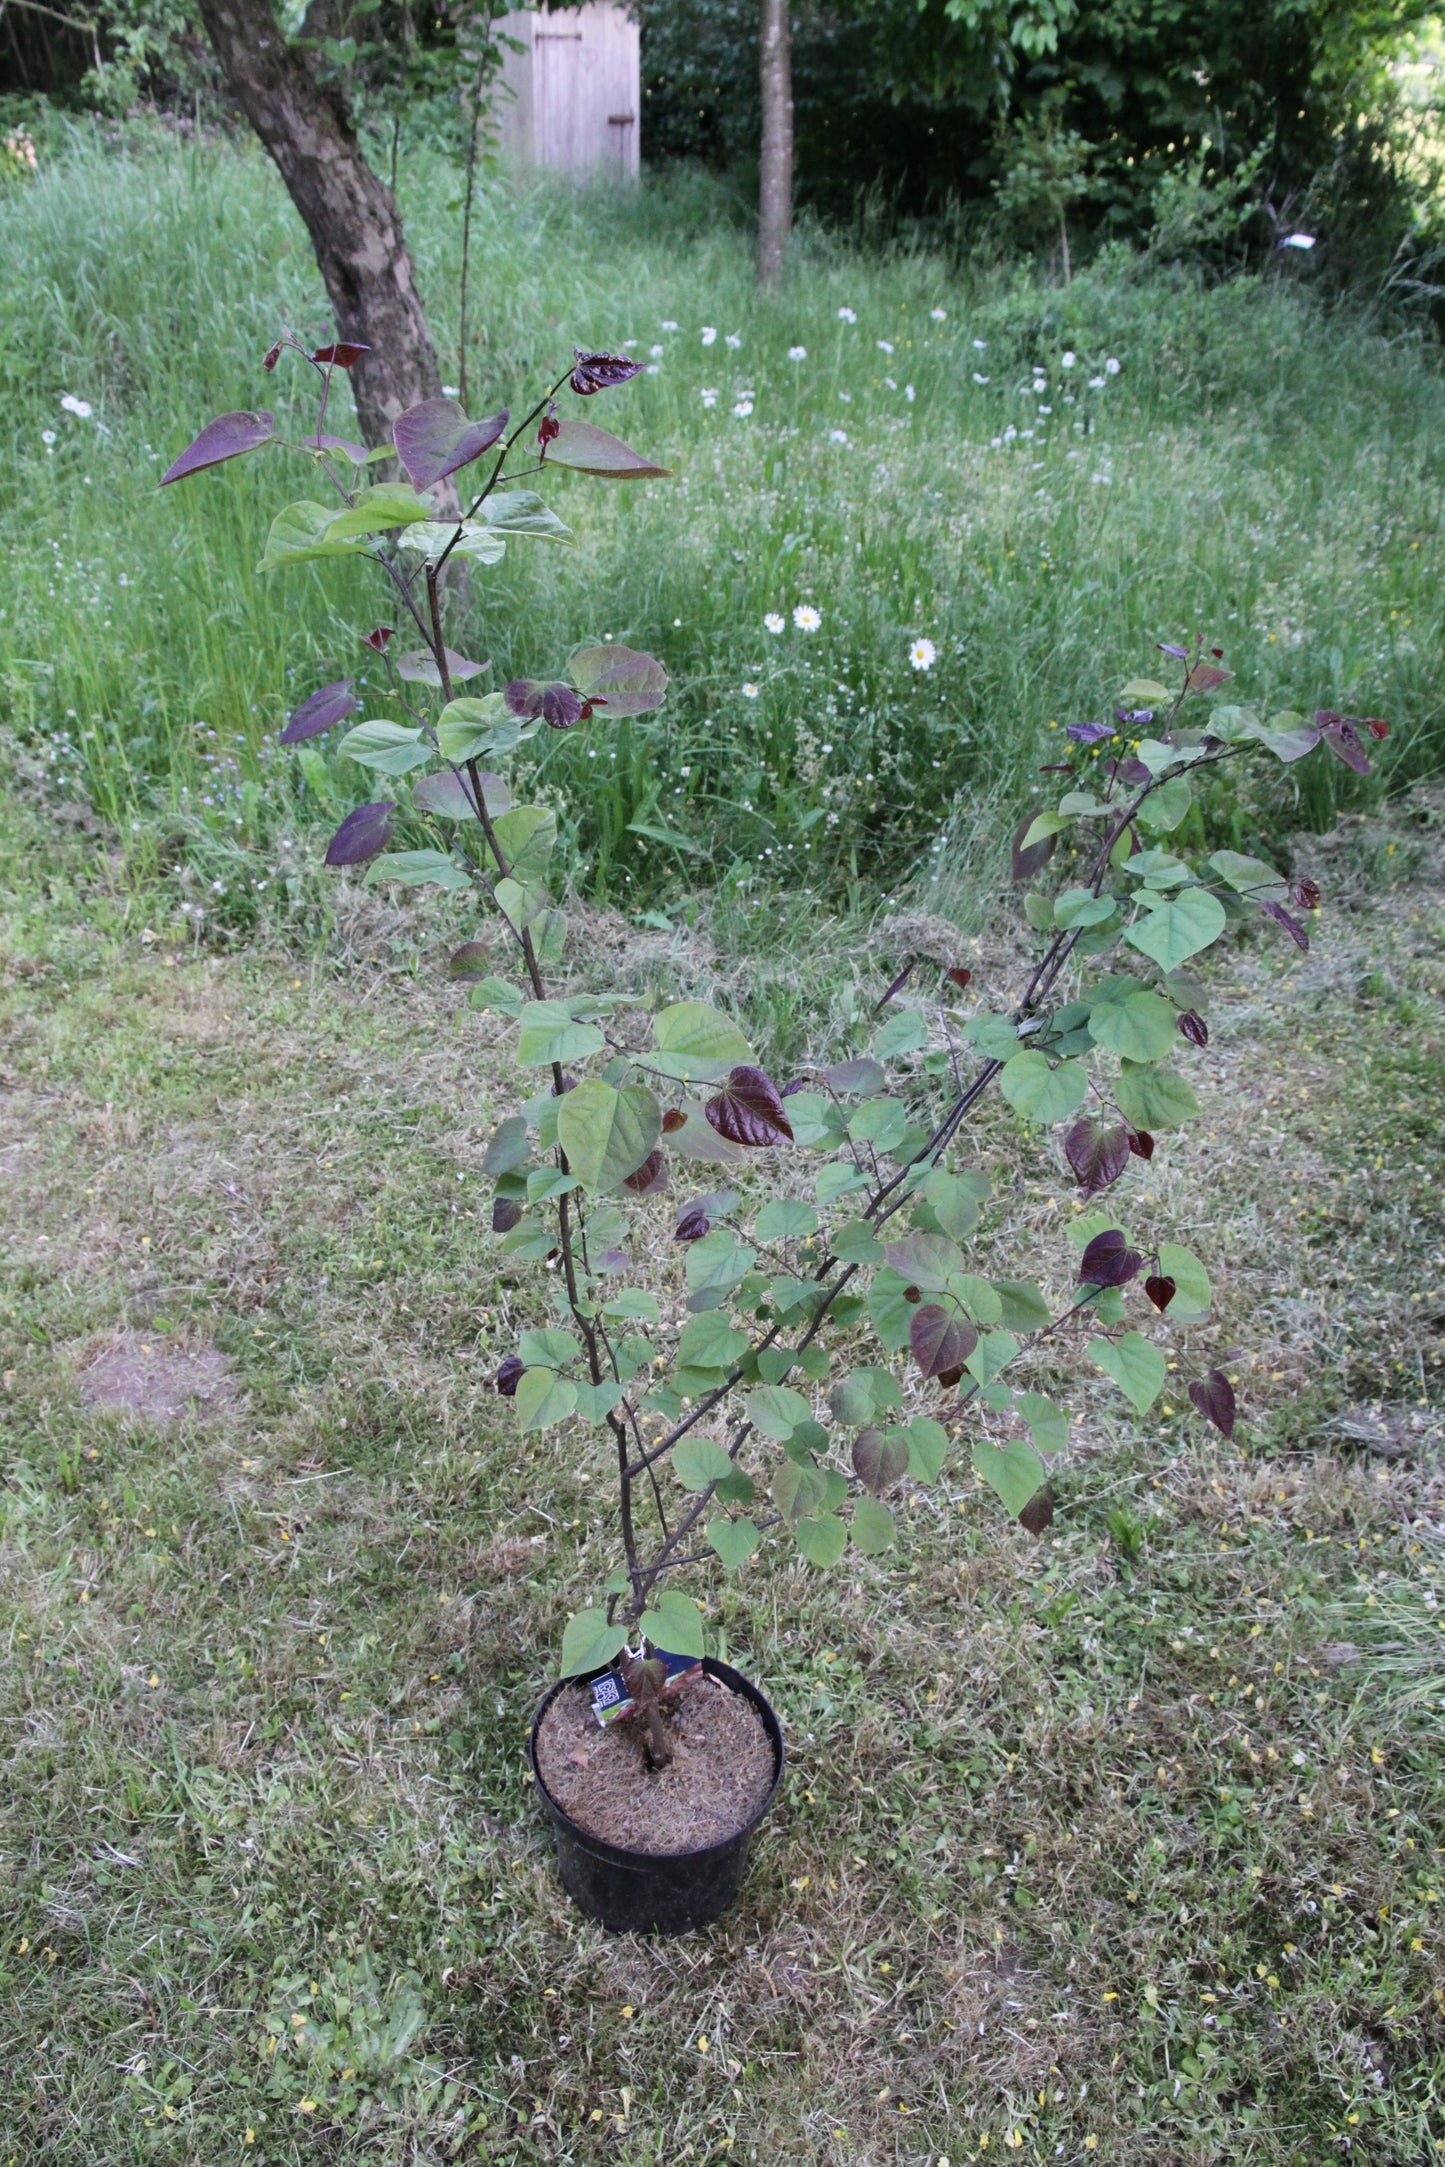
x=509 y=1376
x=1204 y=677
x=377 y=638
x=1376 y=728
x=1305 y=894
x=435 y=439
x=506 y=1212
x=940 y=1342
x=880 y=1458
x=1038 y=1513
x=272 y=356
x=673 y=1120
x=361 y=834
x=896 y=987
x=1292 y=926
x=342 y=354
x=958 y=976
x=324 y=709
x=1141 y=1143
x=1193 y=1027
x=602 y=372
x=1213 y=1397
x=1160 y=1289
x=649 y=1178
x=227 y=437
x=1108 y=1261
x=1343 y=739
x=748 y=1110
x=1097 y=1152
x=556 y=703
x=692 y=1224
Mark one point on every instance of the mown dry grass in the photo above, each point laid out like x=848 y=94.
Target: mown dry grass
x=1121 y=1846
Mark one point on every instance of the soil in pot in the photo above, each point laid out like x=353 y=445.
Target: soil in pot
x=721 y=1770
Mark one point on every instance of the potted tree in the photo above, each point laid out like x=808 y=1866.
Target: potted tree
x=833 y=1319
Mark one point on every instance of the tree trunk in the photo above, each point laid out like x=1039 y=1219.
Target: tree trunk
x=775 y=187
x=349 y=213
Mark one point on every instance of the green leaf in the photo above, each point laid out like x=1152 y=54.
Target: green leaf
x=737 y=1488
x=673 y=1622
x=419 y=869
x=881 y=1122
x=1042 y=825
x=596 y=1401
x=1192 y=1291
x=606 y=1133
x=697 y=1461
x=1248 y=876
x=717 y=1262
x=1021 y=1305
x=835 y=1180
x=709 y=1342
x=822 y=1541
x=1081 y=907
x=589 y=1643
x=701 y=1035
x=518 y=904
x=1048 y=1424
x=549 y=1034
x=856 y=1243
x=927 y=1261
x=468 y=728
x=954 y=1200
x=927 y=1448
x=377 y=510
x=388 y=747
x=903 y=1033
x=299 y=532
x=1137 y=1368
x=1165 y=807
x=587 y=449
x=499 y=994
x=1013 y=1472
x=873 y=1529
x=981 y=1301
x=526 y=836
x=543 y=1398
x=522 y=511
x=993 y=1353
x=888 y=1313
x=477 y=545
x=1150 y=1097
x=996 y=1037
x=734 y=1541
x=817 y=1124
x=1145 y=688
x=1178 y=928
x=549 y=936
x=797 y=1489
x=776 y=1410
x=506 y=1146
x=548 y=1347
x=532 y=1237
x=1041 y=1093
x=1143 y=1027
x=783 y=1219
x=632 y=1302
x=1287 y=735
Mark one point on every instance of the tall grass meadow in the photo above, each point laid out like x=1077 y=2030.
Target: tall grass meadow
x=923 y=513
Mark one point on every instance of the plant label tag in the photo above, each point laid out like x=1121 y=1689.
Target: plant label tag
x=611 y=1701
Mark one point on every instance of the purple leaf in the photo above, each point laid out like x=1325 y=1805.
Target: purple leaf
x=376 y=639
x=1137 y=718
x=324 y=709
x=361 y=834
x=959 y=977
x=1206 y=677
x=1213 y=1397
x=1033 y=860
x=1343 y=739
x=451 y=797
x=435 y=439
x=748 y=1110
x=418 y=667
x=354 y=452
x=1097 y=1153
x=624 y=680
x=472 y=960
x=1166 y=647
x=649 y=1178
x=602 y=372
x=506 y=1212
x=940 y=1343
x=1127 y=770
x=1292 y=926
x=1193 y=1027
x=1038 y=1514
x=555 y=702
x=673 y=1120
x=1305 y=894
x=880 y=1458
x=343 y=354
x=1161 y=1289
x=509 y=1376
x=224 y=438
x=1088 y=733
x=692 y=1224
x=897 y=987
x=1141 y=1143
x=1109 y=1261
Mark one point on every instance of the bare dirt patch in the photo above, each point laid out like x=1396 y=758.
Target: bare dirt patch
x=158 y=1383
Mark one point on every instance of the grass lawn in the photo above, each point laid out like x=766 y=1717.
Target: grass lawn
x=1124 y=1845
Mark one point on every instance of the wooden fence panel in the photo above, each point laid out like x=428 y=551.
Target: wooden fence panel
x=576 y=103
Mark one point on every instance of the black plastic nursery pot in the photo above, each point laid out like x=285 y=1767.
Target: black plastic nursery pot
x=642 y=1892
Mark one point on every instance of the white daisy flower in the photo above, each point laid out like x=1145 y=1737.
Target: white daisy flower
x=709 y=398
x=885 y=346
x=709 y=334
x=79 y=407
x=979 y=379
x=732 y=339
x=939 y=315
x=651 y=369
x=47 y=438
x=797 y=353
x=923 y=654
x=980 y=344
x=847 y=315
x=1046 y=410
x=742 y=410
x=1111 y=367
x=1066 y=361
x=449 y=391
x=806 y=618
x=837 y=436
x=1096 y=383
x=908 y=393
x=891 y=382
x=750 y=692
x=667 y=324
x=657 y=352
x=773 y=621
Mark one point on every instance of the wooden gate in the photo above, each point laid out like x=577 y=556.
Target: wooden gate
x=571 y=98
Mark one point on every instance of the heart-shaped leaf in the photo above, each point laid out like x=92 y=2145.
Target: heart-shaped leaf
x=1137 y=1368
x=227 y=437
x=588 y=450
x=1038 y=1513
x=1014 y=1472
x=589 y=1643
x=748 y=1110
x=607 y=1134
x=1213 y=1397
x=822 y=1541
x=880 y=1458
x=418 y=667
x=1098 y=1153
x=435 y=439
x=734 y=1541
x=940 y=1340
x=1160 y=1289
x=324 y=709
x=873 y=1530
x=699 y=1461
x=601 y=372
x=1108 y=1261
x=361 y=834
x=626 y=680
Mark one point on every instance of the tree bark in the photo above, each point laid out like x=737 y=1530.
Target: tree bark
x=348 y=211
x=775 y=185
